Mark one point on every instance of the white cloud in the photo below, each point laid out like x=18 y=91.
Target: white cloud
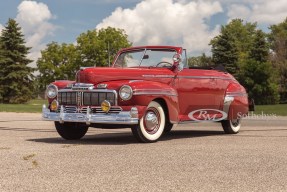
x=1 y=27
x=261 y=11
x=167 y=22
x=34 y=19
x=239 y=11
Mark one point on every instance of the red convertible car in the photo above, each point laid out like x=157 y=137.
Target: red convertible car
x=148 y=89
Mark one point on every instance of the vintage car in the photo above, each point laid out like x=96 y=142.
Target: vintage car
x=148 y=89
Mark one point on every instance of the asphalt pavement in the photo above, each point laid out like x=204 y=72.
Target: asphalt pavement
x=193 y=157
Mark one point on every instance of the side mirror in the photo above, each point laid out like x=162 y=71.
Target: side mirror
x=177 y=62
x=176 y=58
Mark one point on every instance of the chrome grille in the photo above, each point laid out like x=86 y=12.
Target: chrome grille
x=96 y=98
x=67 y=98
x=87 y=98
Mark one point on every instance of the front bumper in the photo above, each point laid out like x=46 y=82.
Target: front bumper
x=123 y=117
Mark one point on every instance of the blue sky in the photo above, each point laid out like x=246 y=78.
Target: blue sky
x=188 y=23
x=72 y=17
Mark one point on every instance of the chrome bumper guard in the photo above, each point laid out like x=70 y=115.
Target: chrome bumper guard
x=124 y=117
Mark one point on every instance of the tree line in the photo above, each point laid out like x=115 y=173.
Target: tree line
x=257 y=59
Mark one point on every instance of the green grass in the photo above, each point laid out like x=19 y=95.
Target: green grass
x=279 y=110
x=33 y=106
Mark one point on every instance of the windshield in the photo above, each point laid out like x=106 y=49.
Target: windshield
x=146 y=58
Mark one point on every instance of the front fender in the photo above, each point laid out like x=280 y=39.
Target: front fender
x=146 y=91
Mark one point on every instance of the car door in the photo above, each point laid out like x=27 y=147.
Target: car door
x=197 y=89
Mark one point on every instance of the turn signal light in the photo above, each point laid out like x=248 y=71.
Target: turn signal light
x=106 y=106
x=54 y=105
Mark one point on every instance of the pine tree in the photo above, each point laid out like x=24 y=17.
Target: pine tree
x=16 y=78
x=225 y=52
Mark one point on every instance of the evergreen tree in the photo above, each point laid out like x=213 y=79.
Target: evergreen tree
x=16 y=78
x=225 y=52
x=260 y=49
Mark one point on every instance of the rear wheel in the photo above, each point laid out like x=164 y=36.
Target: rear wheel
x=71 y=131
x=151 y=125
x=231 y=126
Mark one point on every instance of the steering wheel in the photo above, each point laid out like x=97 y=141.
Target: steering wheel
x=164 y=62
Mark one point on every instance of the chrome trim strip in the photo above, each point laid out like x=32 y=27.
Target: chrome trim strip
x=205 y=77
x=188 y=77
x=187 y=122
x=159 y=76
x=124 y=117
x=236 y=94
x=154 y=92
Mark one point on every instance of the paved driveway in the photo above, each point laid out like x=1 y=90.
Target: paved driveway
x=193 y=157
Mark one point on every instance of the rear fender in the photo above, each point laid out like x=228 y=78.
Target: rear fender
x=235 y=101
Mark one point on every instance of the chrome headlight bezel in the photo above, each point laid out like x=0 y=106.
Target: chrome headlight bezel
x=52 y=91
x=126 y=92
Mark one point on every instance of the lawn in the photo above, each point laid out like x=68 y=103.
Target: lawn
x=279 y=110
x=33 y=106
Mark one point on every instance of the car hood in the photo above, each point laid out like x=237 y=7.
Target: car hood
x=104 y=74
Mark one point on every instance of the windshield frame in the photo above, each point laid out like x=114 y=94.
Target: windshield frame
x=144 y=50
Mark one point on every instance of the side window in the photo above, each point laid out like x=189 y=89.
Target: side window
x=129 y=59
x=154 y=57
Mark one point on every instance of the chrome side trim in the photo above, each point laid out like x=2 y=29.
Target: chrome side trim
x=154 y=92
x=205 y=77
x=236 y=94
x=227 y=102
x=158 y=76
x=124 y=117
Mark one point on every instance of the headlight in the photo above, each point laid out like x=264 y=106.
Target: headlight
x=52 y=91
x=126 y=92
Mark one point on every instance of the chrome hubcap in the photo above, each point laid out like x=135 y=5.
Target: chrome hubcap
x=151 y=121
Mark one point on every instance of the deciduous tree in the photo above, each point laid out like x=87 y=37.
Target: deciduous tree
x=278 y=42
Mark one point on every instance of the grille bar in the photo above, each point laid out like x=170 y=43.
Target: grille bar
x=74 y=109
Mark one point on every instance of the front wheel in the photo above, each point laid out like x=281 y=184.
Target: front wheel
x=71 y=131
x=151 y=125
x=231 y=126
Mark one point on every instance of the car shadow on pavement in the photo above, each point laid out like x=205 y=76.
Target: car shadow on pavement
x=126 y=138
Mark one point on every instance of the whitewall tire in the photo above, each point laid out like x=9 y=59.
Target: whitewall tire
x=231 y=126
x=151 y=125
